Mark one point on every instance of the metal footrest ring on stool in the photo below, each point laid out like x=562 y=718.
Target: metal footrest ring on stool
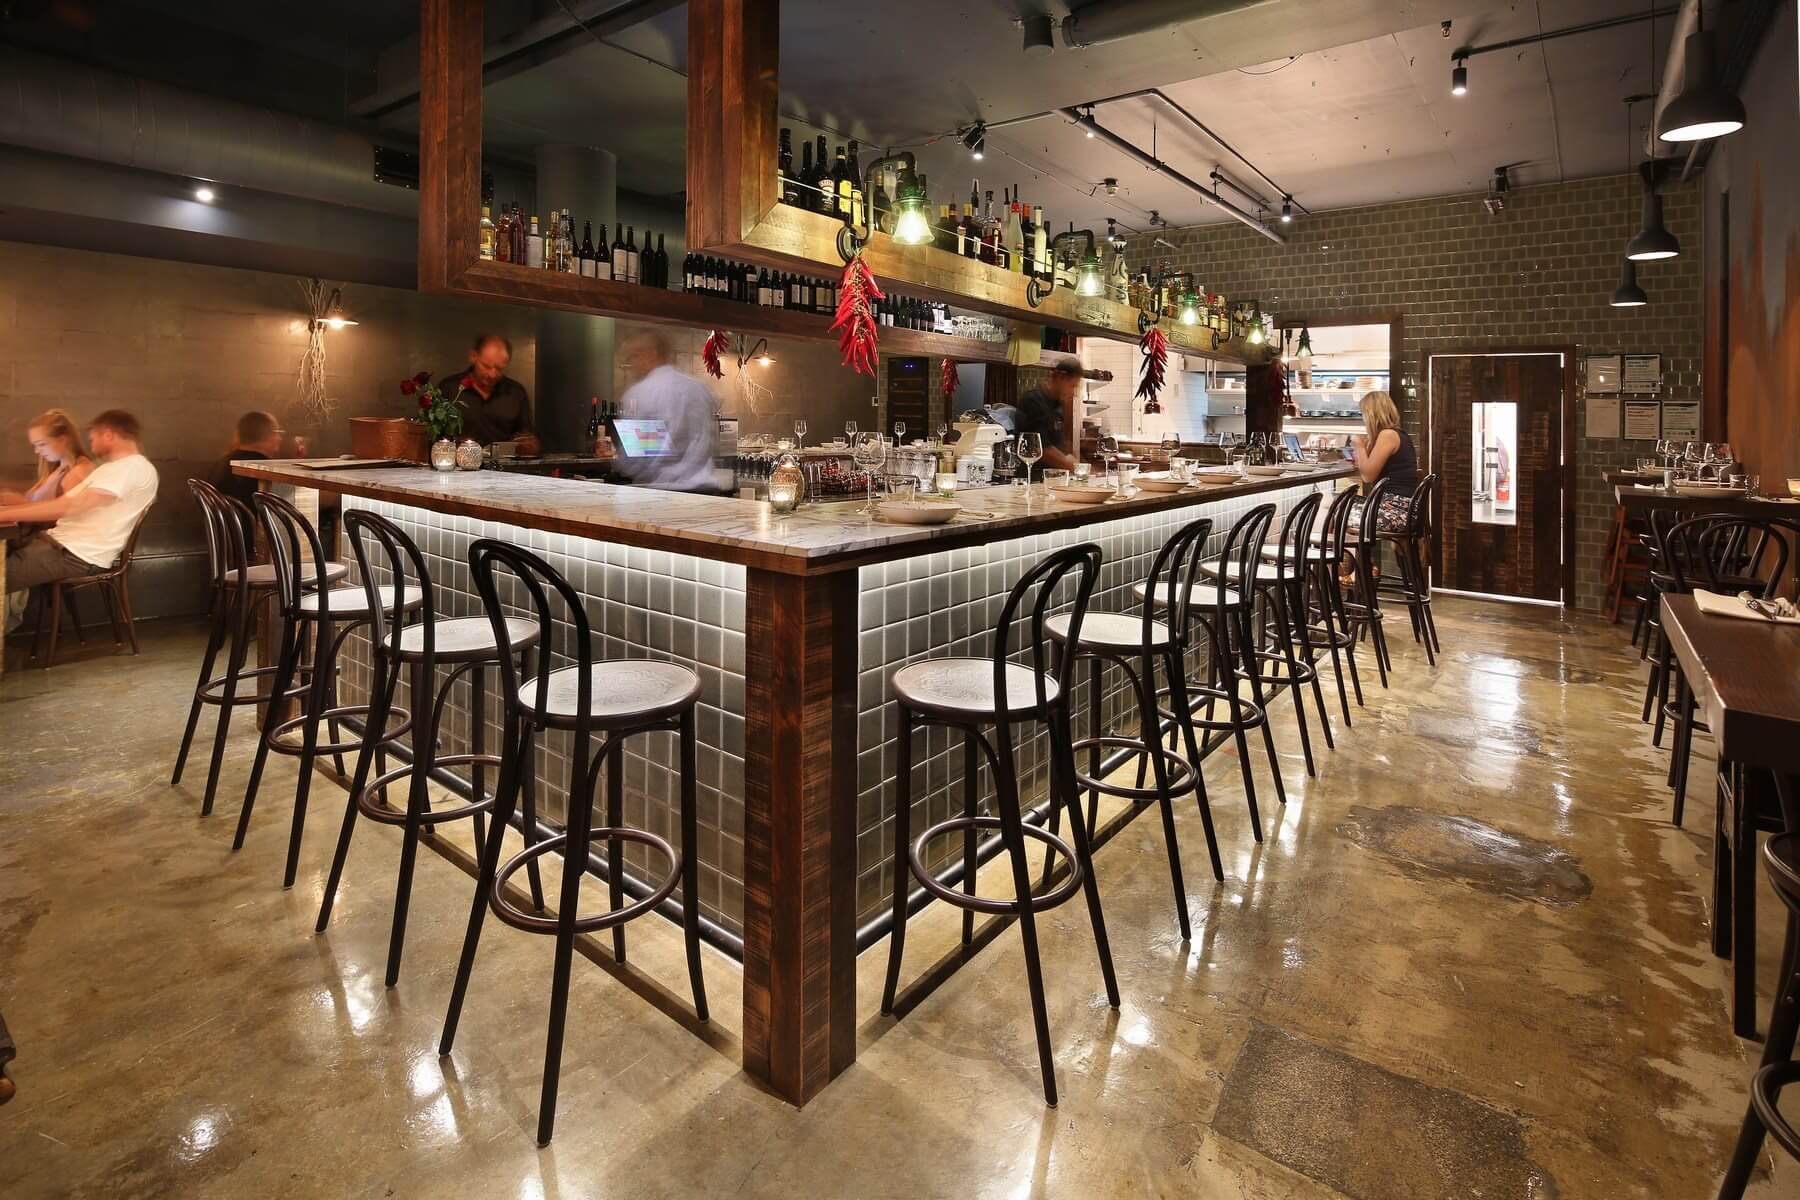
x=213 y=690
x=1181 y=774
x=333 y=714
x=387 y=814
x=534 y=923
x=1765 y=1095
x=1037 y=903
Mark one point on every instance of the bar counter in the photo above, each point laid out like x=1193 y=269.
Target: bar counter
x=794 y=624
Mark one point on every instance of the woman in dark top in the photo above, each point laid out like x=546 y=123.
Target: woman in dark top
x=1386 y=451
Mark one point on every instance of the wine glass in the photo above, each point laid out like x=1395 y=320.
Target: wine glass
x=870 y=451
x=1030 y=448
x=1109 y=453
x=800 y=434
x=943 y=432
x=899 y=433
x=850 y=433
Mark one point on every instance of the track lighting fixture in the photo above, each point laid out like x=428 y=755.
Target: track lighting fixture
x=1459 y=78
x=975 y=138
x=1287 y=210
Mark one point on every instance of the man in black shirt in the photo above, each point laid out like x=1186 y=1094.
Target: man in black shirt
x=1048 y=411
x=495 y=407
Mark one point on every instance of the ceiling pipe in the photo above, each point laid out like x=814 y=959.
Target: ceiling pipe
x=62 y=107
x=1107 y=21
x=1155 y=164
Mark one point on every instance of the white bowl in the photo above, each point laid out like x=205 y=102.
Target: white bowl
x=918 y=512
x=1161 y=481
x=1082 y=495
x=1217 y=477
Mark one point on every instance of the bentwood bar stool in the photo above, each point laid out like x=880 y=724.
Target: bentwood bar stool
x=1138 y=646
x=616 y=699
x=1223 y=612
x=1412 y=587
x=1362 y=602
x=465 y=644
x=326 y=616
x=977 y=696
x=1778 y=1069
x=238 y=588
x=1328 y=627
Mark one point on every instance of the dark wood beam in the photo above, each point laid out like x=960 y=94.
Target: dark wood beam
x=449 y=140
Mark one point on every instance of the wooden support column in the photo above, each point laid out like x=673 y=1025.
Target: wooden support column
x=449 y=140
x=734 y=48
x=800 y=830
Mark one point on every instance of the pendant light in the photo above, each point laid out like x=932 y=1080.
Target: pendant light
x=1628 y=294
x=1703 y=109
x=1654 y=240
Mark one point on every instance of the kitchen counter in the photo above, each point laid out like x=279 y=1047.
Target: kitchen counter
x=795 y=625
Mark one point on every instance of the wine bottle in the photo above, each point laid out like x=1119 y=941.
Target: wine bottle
x=586 y=253
x=593 y=428
x=826 y=198
x=620 y=264
x=856 y=187
x=534 y=245
x=1040 y=245
x=633 y=261
x=803 y=192
x=569 y=264
x=784 y=166
x=1015 y=238
x=762 y=290
x=840 y=184
x=662 y=263
x=778 y=290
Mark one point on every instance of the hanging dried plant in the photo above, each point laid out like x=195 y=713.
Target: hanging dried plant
x=1154 y=346
x=310 y=401
x=855 y=324
x=709 y=353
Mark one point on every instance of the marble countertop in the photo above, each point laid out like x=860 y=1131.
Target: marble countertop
x=819 y=537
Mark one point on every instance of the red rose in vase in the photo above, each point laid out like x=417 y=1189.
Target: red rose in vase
x=422 y=378
x=408 y=386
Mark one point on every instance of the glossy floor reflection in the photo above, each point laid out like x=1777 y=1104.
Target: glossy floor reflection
x=1469 y=959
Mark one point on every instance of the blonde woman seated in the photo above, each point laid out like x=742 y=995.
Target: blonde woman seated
x=1385 y=451
x=63 y=461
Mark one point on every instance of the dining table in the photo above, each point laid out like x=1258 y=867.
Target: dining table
x=1744 y=674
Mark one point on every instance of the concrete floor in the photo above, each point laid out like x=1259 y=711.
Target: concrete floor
x=1470 y=960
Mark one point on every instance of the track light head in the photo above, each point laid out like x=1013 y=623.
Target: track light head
x=975 y=138
x=1459 y=79
x=1287 y=210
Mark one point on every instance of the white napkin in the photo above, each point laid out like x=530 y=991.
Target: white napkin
x=1716 y=604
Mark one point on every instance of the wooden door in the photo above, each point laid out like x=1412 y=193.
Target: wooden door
x=1497 y=447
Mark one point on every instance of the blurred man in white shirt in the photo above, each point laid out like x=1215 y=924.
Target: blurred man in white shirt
x=90 y=523
x=663 y=393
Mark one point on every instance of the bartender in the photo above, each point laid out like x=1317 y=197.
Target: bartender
x=495 y=407
x=1048 y=411
x=661 y=393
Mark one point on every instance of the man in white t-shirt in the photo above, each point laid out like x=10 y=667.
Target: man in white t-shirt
x=90 y=523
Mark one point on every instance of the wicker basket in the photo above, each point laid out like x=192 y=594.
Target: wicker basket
x=389 y=437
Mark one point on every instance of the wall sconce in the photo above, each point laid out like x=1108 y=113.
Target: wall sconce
x=758 y=353
x=331 y=314
x=912 y=224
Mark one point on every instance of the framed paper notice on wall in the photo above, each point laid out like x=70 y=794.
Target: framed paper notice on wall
x=1643 y=420
x=1641 y=374
x=1603 y=416
x=1603 y=376
x=1681 y=420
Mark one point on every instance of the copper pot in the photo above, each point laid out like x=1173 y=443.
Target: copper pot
x=389 y=437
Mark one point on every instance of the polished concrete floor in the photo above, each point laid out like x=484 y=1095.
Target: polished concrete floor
x=1470 y=959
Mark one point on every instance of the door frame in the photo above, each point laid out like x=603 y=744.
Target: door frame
x=1566 y=480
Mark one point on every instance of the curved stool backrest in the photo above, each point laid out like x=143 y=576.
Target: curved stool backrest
x=1371 y=511
x=1296 y=530
x=1336 y=542
x=1030 y=602
x=1418 y=513
x=1173 y=575
x=1704 y=551
x=1239 y=557
x=206 y=496
x=404 y=563
x=291 y=539
x=539 y=581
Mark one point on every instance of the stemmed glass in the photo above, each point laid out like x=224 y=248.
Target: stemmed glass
x=869 y=450
x=850 y=433
x=943 y=432
x=1109 y=453
x=899 y=433
x=1030 y=449
x=800 y=434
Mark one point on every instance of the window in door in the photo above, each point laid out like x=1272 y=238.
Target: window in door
x=1494 y=438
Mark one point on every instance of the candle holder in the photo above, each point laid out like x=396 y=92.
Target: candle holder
x=443 y=455
x=787 y=484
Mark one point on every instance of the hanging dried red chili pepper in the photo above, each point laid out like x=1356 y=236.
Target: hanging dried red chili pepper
x=709 y=354
x=947 y=381
x=1154 y=346
x=855 y=323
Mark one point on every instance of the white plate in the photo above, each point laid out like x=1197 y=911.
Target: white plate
x=1082 y=495
x=918 y=512
x=1217 y=477
x=1161 y=482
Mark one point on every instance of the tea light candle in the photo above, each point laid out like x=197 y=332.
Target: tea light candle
x=946 y=485
x=1083 y=472
x=784 y=496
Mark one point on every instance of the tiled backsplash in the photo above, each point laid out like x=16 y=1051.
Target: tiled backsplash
x=654 y=604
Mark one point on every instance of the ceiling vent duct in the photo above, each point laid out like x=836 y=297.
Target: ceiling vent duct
x=1114 y=20
x=61 y=107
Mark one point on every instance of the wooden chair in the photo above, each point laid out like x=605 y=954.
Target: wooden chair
x=114 y=583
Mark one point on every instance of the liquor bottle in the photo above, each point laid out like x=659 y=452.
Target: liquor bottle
x=881 y=215
x=962 y=233
x=553 y=239
x=503 y=237
x=840 y=184
x=620 y=264
x=825 y=200
x=633 y=260
x=1040 y=245
x=1014 y=239
x=487 y=233
x=593 y=428
x=856 y=182
x=518 y=234
x=568 y=243
x=534 y=245
x=991 y=251
x=784 y=166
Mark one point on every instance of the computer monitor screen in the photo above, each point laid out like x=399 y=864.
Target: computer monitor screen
x=643 y=437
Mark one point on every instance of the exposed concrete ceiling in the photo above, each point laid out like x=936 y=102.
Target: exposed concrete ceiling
x=1342 y=102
